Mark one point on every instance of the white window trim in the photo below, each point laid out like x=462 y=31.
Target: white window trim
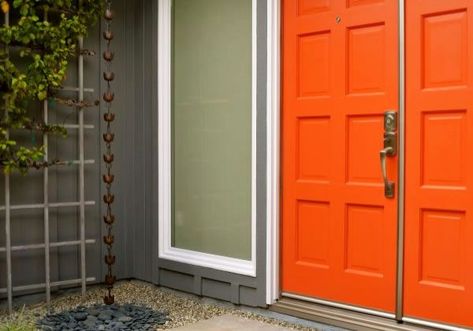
x=166 y=251
x=273 y=153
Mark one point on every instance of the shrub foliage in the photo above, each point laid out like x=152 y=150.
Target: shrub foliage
x=35 y=50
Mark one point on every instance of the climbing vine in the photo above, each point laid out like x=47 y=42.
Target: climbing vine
x=35 y=50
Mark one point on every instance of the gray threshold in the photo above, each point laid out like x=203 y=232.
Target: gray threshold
x=341 y=317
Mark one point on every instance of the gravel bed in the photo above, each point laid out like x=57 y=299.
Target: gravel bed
x=182 y=308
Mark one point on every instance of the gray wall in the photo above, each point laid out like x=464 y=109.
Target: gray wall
x=136 y=185
x=139 y=186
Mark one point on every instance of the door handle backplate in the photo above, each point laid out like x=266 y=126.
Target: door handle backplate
x=390 y=149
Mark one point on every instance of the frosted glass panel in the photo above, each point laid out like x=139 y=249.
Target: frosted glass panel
x=211 y=126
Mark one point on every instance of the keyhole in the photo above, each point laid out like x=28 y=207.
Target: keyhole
x=338 y=19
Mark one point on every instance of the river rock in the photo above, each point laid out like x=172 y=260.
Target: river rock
x=101 y=317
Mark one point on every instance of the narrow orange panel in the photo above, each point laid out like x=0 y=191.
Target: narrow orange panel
x=312 y=6
x=443 y=138
x=445 y=49
x=313 y=228
x=364 y=240
x=314 y=149
x=438 y=266
x=366 y=59
x=363 y=146
x=314 y=64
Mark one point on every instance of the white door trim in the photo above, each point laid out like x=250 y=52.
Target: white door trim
x=273 y=152
x=166 y=251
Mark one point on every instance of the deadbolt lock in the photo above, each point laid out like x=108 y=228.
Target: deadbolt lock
x=390 y=121
x=390 y=135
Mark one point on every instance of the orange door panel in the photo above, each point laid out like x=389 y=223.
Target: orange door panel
x=439 y=160
x=340 y=74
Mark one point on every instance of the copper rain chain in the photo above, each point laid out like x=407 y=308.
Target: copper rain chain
x=108 y=177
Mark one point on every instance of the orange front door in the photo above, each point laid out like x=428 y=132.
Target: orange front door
x=340 y=74
x=439 y=180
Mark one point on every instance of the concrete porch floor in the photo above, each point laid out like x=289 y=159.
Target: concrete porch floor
x=230 y=323
x=234 y=322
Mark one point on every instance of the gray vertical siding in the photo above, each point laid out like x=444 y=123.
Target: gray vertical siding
x=136 y=145
x=136 y=186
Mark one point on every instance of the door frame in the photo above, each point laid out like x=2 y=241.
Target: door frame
x=273 y=155
x=274 y=292
x=274 y=112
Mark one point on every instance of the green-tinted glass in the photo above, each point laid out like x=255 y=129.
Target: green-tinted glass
x=211 y=126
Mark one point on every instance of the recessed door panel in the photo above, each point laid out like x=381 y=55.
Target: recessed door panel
x=305 y=7
x=314 y=64
x=438 y=282
x=366 y=67
x=340 y=74
x=363 y=146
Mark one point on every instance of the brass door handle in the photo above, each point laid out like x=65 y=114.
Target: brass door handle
x=388 y=185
